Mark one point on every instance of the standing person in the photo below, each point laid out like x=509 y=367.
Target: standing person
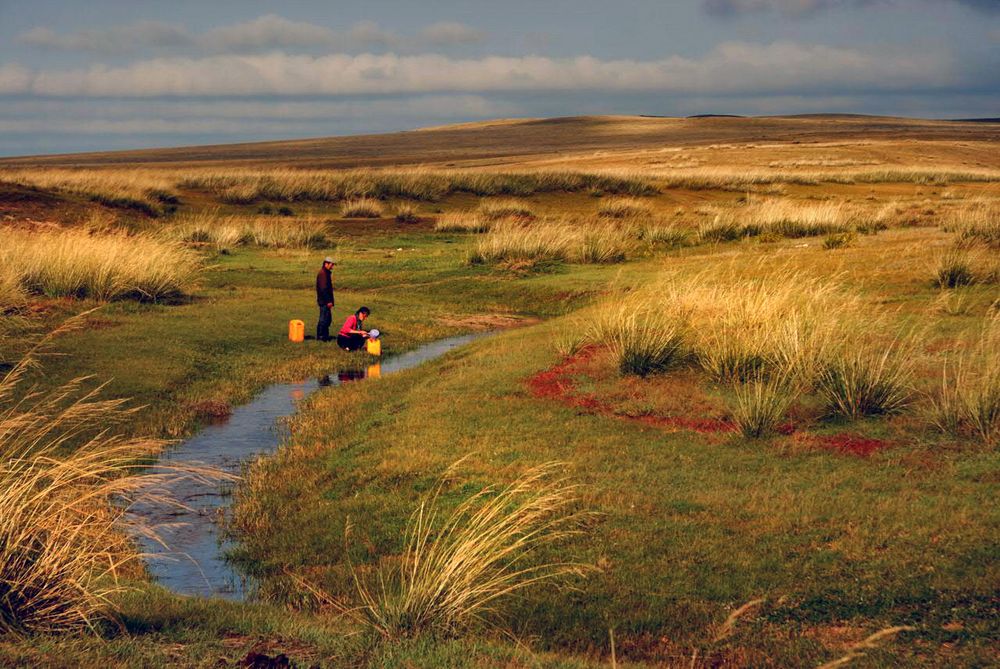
x=352 y=335
x=324 y=298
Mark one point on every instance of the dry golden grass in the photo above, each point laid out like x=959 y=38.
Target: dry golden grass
x=225 y=232
x=66 y=484
x=73 y=263
x=462 y=221
x=551 y=241
x=967 y=401
x=364 y=207
x=495 y=210
x=455 y=569
x=623 y=208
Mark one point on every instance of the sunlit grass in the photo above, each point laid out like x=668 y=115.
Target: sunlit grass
x=73 y=263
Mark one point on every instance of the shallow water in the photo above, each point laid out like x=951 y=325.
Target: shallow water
x=192 y=563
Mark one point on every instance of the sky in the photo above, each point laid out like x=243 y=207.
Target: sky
x=118 y=74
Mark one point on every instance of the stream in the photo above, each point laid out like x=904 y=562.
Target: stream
x=192 y=562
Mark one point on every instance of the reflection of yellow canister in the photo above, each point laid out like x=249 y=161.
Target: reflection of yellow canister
x=374 y=346
x=296 y=330
x=374 y=371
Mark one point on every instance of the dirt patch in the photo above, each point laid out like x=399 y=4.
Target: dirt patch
x=556 y=384
x=851 y=444
x=481 y=322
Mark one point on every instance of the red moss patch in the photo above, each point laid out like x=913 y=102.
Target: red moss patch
x=851 y=444
x=556 y=384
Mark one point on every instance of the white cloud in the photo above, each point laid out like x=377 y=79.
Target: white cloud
x=115 y=39
x=732 y=67
x=14 y=78
x=266 y=32
x=450 y=32
x=262 y=33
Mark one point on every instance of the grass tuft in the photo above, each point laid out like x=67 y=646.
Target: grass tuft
x=967 y=402
x=761 y=404
x=865 y=379
x=495 y=210
x=455 y=569
x=954 y=269
x=623 y=208
x=364 y=207
x=66 y=484
x=73 y=263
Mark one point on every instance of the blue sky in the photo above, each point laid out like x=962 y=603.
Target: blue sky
x=106 y=74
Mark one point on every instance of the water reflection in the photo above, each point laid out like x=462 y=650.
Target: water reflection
x=194 y=563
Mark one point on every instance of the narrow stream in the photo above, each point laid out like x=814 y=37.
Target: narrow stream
x=193 y=563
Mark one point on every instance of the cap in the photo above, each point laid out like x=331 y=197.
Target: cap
x=328 y=259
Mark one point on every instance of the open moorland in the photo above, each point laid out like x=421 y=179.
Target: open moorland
x=740 y=406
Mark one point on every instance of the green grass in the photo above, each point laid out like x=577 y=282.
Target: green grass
x=687 y=528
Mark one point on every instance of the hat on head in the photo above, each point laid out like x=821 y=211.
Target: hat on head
x=328 y=259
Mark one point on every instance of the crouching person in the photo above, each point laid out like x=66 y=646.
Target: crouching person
x=352 y=335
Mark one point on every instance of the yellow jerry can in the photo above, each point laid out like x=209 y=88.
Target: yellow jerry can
x=296 y=330
x=374 y=346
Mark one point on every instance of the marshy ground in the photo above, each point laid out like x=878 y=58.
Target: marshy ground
x=766 y=350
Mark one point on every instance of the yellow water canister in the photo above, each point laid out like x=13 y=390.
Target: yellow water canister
x=296 y=330
x=374 y=346
x=374 y=371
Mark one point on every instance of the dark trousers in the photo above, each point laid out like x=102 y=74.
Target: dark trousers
x=323 y=326
x=351 y=342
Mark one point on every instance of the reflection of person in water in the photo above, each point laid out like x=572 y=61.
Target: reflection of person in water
x=352 y=335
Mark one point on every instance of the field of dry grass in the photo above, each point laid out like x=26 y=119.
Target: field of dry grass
x=770 y=355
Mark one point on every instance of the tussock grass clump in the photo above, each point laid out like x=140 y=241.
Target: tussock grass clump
x=495 y=210
x=623 y=208
x=867 y=379
x=954 y=269
x=979 y=224
x=967 y=401
x=663 y=234
x=463 y=221
x=66 y=484
x=839 y=241
x=511 y=242
x=761 y=404
x=73 y=263
x=136 y=189
x=455 y=569
x=226 y=232
x=721 y=230
x=406 y=213
x=641 y=341
x=364 y=207
x=600 y=245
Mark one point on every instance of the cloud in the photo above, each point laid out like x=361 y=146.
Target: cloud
x=730 y=67
x=450 y=32
x=115 y=39
x=266 y=32
x=14 y=79
x=808 y=7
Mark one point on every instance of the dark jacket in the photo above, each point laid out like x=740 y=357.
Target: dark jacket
x=324 y=287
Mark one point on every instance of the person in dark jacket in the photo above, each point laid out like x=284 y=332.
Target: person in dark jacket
x=324 y=298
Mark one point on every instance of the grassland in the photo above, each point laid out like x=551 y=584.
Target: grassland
x=752 y=412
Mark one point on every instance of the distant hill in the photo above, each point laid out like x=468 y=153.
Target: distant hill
x=506 y=140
